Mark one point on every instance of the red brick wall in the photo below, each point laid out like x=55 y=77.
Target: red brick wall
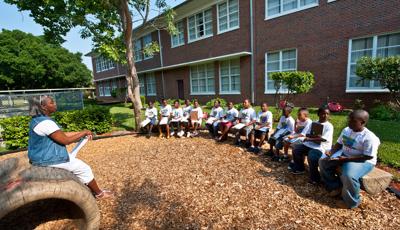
x=217 y=45
x=321 y=35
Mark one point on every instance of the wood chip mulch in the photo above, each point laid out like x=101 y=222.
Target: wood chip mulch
x=196 y=183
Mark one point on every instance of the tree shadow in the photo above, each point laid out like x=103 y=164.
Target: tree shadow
x=165 y=214
x=299 y=183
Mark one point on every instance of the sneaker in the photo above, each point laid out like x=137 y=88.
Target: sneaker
x=148 y=135
x=172 y=134
x=251 y=149
x=275 y=158
x=195 y=134
x=296 y=172
x=181 y=133
x=257 y=150
x=270 y=153
x=291 y=166
x=188 y=134
x=284 y=159
x=335 y=193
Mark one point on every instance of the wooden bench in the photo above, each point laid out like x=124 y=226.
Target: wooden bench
x=376 y=181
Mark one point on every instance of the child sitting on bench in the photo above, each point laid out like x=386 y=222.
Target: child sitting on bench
x=247 y=117
x=151 y=118
x=302 y=126
x=228 y=121
x=261 y=130
x=176 y=117
x=165 y=114
x=285 y=127
x=356 y=154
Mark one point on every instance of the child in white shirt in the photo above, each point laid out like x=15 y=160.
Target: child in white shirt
x=214 y=119
x=228 y=120
x=187 y=109
x=261 y=130
x=196 y=123
x=151 y=118
x=314 y=147
x=165 y=114
x=355 y=153
x=247 y=117
x=176 y=118
x=302 y=126
x=285 y=127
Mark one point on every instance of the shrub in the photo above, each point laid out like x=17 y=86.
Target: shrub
x=15 y=131
x=384 y=112
x=296 y=82
x=238 y=106
x=94 y=118
x=384 y=70
x=210 y=103
x=114 y=93
x=143 y=100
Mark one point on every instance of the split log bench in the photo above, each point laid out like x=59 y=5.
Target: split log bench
x=50 y=193
x=376 y=181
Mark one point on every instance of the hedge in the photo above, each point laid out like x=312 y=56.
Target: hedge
x=94 y=118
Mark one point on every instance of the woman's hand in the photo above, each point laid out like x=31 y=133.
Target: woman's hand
x=88 y=134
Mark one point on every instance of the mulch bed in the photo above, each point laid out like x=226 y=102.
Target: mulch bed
x=196 y=183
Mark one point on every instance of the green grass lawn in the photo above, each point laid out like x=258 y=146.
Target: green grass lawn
x=388 y=132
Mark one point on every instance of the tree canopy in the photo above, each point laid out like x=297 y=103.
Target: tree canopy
x=29 y=62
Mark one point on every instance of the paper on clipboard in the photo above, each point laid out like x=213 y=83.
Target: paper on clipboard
x=279 y=133
x=239 y=126
x=78 y=146
x=164 y=121
x=211 y=120
x=145 y=122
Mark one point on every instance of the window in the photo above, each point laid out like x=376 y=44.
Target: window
x=114 y=84
x=228 y=15
x=100 y=87
x=179 y=38
x=141 y=84
x=376 y=46
x=103 y=64
x=280 y=61
x=229 y=73
x=276 y=8
x=151 y=84
x=147 y=40
x=202 y=79
x=200 y=25
x=138 y=50
x=106 y=88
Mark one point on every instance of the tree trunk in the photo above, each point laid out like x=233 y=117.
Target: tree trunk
x=131 y=76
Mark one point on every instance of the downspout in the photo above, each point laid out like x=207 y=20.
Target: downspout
x=252 y=53
x=161 y=63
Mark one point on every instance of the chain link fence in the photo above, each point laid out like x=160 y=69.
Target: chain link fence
x=17 y=103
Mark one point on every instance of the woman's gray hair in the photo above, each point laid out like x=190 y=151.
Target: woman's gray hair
x=36 y=103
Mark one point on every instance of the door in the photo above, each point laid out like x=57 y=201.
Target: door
x=181 y=93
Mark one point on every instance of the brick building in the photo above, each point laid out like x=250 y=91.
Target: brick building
x=228 y=48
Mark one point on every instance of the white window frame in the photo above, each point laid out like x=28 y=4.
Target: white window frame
x=138 y=52
x=148 y=83
x=106 y=85
x=267 y=17
x=103 y=64
x=204 y=22
x=207 y=92
x=230 y=91
x=374 y=52
x=273 y=91
x=228 y=13
x=177 y=35
x=146 y=57
x=100 y=87
x=331 y=1
x=142 y=81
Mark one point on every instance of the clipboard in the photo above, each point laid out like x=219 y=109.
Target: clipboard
x=78 y=146
x=164 y=121
x=194 y=115
x=317 y=129
x=239 y=126
x=145 y=122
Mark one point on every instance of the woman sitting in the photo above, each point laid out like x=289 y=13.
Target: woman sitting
x=46 y=146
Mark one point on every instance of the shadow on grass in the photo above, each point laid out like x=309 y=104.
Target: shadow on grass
x=161 y=213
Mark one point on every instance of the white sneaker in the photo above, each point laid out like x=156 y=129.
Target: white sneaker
x=181 y=133
x=187 y=134
x=172 y=134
